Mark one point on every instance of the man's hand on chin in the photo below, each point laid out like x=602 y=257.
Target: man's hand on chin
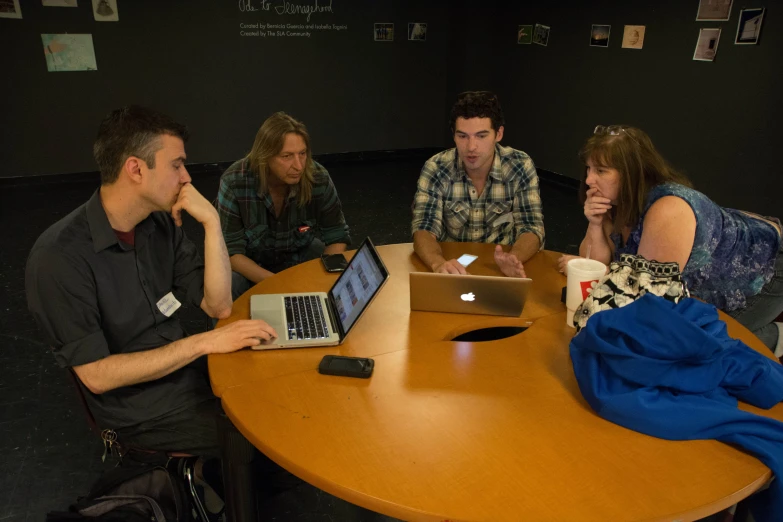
x=191 y=201
x=508 y=263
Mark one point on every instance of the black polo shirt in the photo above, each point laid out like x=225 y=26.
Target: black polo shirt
x=93 y=295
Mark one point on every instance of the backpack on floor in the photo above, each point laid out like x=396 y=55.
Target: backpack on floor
x=143 y=493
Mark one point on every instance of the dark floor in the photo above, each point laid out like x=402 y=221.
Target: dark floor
x=48 y=456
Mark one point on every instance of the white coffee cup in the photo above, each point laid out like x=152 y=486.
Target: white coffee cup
x=582 y=274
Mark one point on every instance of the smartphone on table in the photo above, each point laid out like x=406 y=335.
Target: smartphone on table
x=360 y=367
x=334 y=262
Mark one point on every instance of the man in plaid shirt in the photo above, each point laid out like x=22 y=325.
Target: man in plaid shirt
x=479 y=191
x=274 y=202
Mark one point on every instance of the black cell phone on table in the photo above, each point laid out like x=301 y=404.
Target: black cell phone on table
x=360 y=367
x=334 y=262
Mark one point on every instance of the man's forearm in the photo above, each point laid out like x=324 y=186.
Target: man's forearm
x=247 y=267
x=217 y=272
x=335 y=248
x=427 y=248
x=126 y=369
x=526 y=246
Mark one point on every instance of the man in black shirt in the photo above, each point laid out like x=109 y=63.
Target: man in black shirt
x=105 y=282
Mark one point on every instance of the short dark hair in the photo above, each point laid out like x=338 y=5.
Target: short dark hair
x=477 y=104
x=131 y=131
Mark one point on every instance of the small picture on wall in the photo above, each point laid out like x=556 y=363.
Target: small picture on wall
x=69 y=52
x=10 y=9
x=707 y=45
x=714 y=10
x=749 y=26
x=60 y=3
x=633 y=36
x=541 y=35
x=525 y=34
x=105 y=11
x=417 y=31
x=384 y=32
x=599 y=35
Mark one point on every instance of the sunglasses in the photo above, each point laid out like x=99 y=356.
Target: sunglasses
x=612 y=130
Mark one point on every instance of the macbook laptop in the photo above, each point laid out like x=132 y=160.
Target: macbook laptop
x=323 y=319
x=468 y=294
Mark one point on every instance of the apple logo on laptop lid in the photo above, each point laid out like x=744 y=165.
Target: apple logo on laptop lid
x=468 y=297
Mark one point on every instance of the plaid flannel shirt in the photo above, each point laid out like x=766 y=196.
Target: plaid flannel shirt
x=447 y=205
x=251 y=228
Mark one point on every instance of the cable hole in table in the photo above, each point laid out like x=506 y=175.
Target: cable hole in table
x=494 y=333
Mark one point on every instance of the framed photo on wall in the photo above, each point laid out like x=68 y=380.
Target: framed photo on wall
x=10 y=9
x=599 y=35
x=541 y=35
x=105 y=11
x=69 y=52
x=60 y=3
x=707 y=45
x=633 y=36
x=383 y=32
x=525 y=34
x=714 y=10
x=749 y=26
x=417 y=31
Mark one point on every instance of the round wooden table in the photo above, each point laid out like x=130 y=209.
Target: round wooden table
x=447 y=430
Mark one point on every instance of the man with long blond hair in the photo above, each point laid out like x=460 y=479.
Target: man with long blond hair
x=278 y=207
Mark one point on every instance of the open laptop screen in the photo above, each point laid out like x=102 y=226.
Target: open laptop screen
x=357 y=286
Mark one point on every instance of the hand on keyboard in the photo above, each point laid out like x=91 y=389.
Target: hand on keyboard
x=271 y=340
x=235 y=336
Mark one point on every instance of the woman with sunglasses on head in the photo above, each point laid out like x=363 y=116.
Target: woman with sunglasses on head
x=636 y=203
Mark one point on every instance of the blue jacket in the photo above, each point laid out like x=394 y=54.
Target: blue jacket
x=671 y=371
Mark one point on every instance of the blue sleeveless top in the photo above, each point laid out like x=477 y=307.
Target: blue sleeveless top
x=733 y=253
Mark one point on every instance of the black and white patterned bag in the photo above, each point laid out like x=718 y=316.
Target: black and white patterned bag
x=628 y=280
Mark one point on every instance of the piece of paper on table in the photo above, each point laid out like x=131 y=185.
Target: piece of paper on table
x=466 y=259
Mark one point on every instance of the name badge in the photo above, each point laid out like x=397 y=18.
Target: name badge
x=505 y=218
x=168 y=304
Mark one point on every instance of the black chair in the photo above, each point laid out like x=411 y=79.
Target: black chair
x=185 y=465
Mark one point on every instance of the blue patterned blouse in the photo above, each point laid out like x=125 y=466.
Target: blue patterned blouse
x=733 y=253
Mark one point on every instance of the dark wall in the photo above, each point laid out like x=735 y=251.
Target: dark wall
x=188 y=59
x=720 y=122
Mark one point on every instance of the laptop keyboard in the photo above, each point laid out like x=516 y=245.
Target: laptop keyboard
x=305 y=317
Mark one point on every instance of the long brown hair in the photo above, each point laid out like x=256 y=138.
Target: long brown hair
x=641 y=167
x=270 y=139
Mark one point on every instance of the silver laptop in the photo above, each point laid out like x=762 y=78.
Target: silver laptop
x=323 y=319
x=468 y=294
